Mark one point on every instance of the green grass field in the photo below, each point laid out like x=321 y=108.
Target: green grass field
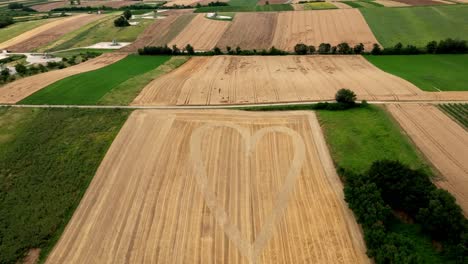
x=102 y=30
x=261 y=8
x=90 y=87
x=319 y=6
x=19 y=28
x=458 y=112
x=359 y=136
x=47 y=160
x=417 y=25
x=243 y=2
x=428 y=72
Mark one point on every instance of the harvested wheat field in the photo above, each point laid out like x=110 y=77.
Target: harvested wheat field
x=214 y=187
x=202 y=33
x=442 y=141
x=390 y=3
x=161 y=32
x=50 y=6
x=271 y=79
x=322 y=26
x=420 y=2
x=18 y=90
x=250 y=31
x=34 y=41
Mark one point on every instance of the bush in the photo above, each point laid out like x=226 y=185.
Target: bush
x=127 y=14
x=190 y=49
x=15 y=6
x=155 y=50
x=121 y=22
x=301 y=49
x=5 y=74
x=358 y=49
x=345 y=96
x=324 y=48
x=21 y=69
x=376 y=50
x=344 y=48
x=451 y=46
x=217 y=51
x=5 y=21
x=312 y=49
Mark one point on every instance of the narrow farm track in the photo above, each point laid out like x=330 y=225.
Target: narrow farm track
x=214 y=187
x=16 y=91
x=442 y=141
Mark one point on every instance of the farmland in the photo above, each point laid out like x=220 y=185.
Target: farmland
x=47 y=159
x=20 y=28
x=443 y=142
x=417 y=25
x=258 y=8
x=90 y=87
x=319 y=6
x=214 y=186
x=428 y=72
x=20 y=89
x=459 y=112
x=53 y=5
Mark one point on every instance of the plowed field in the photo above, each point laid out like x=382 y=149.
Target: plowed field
x=202 y=33
x=328 y=26
x=268 y=79
x=250 y=31
x=214 y=187
x=31 y=41
x=442 y=141
x=16 y=91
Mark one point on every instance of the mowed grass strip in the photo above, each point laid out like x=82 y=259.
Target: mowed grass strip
x=428 y=72
x=417 y=25
x=88 y=88
x=359 y=136
x=47 y=159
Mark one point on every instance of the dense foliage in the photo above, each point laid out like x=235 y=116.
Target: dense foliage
x=5 y=21
x=447 y=46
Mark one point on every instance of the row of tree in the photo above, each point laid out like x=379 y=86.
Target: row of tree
x=327 y=48
x=391 y=186
x=447 y=46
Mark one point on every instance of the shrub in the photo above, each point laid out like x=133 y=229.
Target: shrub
x=5 y=74
x=345 y=96
x=358 y=49
x=431 y=47
x=121 y=22
x=189 y=49
x=324 y=48
x=451 y=46
x=5 y=21
x=155 y=50
x=344 y=48
x=175 y=50
x=217 y=51
x=312 y=49
x=376 y=50
x=15 y=6
x=301 y=49
x=127 y=14
x=21 y=69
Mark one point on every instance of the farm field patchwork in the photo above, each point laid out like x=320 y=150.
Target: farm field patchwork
x=214 y=186
x=391 y=3
x=20 y=28
x=18 y=90
x=458 y=112
x=417 y=25
x=423 y=2
x=254 y=8
x=328 y=26
x=202 y=33
x=428 y=72
x=319 y=6
x=90 y=87
x=443 y=142
x=59 y=4
x=47 y=159
x=267 y=79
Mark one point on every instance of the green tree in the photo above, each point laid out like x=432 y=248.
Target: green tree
x=358 y=49
x=121 y=22
x=217 y=51
x=344 y=48
x=189 y=49
x=21 y=69
x=127 y=14
x=324 y=48
x=376 y=50
x=345 y=96
x=301 y=49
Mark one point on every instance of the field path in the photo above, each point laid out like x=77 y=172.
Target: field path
x=442 y=141
x=16 y=91
x=213 y=186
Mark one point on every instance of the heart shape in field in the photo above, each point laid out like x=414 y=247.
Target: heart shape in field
x=247 y=249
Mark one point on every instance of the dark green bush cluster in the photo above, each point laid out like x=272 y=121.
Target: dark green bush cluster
x=327 y=48
x=165 y=50
x=217 y=3
x=447 y=46
x=122 y=21
x=390 y=185
x=5 y=21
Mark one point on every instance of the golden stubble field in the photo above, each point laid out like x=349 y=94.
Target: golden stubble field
x=213 y=186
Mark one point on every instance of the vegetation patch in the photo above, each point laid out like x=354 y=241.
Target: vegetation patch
x=319 y=6
x=90 y=87
x=428 y=72
x=417 y=25
x=47 y=159
x=19 y=28
x=459 y=112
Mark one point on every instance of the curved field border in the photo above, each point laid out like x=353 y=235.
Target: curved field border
x=269 y=193
x=17 y=29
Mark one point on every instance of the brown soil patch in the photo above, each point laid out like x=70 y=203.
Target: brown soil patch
x=161 y=32
x=214 y=187
x=18 y=90
x=390 y=3
x=202 y=33
x=442 y=141
x=250 y=31
x=32 y=257
x=50 y=6
x=324 y=26
x=269 y=79
x=419 y=2
x=52 y=33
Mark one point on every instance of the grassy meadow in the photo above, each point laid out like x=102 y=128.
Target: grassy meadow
x=417 y=25
x=48 y=157
x=428 y=72
x=90 y=87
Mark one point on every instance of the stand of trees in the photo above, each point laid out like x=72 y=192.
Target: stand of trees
x=165 y=50
x=390 y=185
x=122 y=21
x=447 y=46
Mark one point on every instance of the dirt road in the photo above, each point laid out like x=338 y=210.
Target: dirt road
x=442 y=141
x=214 y=187
x=18 y=90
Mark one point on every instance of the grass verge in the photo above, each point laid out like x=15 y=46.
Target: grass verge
x=124 y=93
x=89 y=87
x=417 y=25
x=261 y=8
x=428 y=72
x=47 y=159
x=458 y=112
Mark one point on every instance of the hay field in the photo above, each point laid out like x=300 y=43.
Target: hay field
x=442 y=141
x=214 y=187
x=268 y=79
x=250 y=31
x=33 y=40
x=202 y=33
x=315 y=27
x=16 y=91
